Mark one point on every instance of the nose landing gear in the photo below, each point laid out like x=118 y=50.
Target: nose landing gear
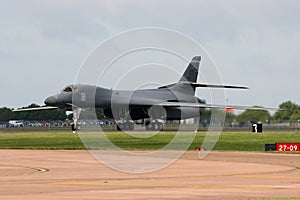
x=76 y=113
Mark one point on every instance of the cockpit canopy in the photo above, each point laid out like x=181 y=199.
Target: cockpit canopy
x=70 y=88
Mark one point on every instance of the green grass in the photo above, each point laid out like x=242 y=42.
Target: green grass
x=228 y=141
x=40 y=140
x=244 y=141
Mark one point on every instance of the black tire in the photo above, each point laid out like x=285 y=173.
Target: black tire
x=73 y=127
x=155 y=126
x=118 y=128
x=161 y=126
x=149 y=127
x=131 y=126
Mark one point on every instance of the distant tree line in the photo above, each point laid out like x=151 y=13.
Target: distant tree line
x=7 y=114
x=290 y=112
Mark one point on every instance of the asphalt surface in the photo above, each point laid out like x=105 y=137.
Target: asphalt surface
x=59 y=174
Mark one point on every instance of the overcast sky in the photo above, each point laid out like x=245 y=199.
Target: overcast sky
x=254 y=43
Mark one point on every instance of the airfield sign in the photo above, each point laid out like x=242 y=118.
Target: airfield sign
x=288 y=147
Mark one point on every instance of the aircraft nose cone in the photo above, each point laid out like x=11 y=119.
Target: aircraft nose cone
x=50 y=101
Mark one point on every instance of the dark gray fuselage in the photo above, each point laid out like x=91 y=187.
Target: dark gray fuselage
x=138 y=103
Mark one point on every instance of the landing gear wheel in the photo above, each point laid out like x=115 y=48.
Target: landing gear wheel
x=131 y=126
x=158 y=126
x=154 y=126
x=161 y=126
x=118 y=128
x=125 y=126
x=75 y=128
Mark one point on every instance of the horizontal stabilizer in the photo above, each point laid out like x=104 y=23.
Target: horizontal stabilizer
x=226 y=107
x=217 y=86
x=37 y=108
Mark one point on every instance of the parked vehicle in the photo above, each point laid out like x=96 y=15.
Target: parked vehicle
x=16 y=123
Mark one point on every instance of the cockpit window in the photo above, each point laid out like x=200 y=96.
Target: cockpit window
x=69 y=89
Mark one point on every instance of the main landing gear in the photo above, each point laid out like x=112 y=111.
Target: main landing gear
x=154 y=125
x=125 y=126
x=150 y=125
x=153 y=122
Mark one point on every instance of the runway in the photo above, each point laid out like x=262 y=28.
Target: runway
x=59 y=174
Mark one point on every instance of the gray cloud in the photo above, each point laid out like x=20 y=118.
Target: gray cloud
x=255 y=43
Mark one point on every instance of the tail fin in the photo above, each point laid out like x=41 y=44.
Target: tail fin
x=191 y=72
x=188 y=82
x=184 y=85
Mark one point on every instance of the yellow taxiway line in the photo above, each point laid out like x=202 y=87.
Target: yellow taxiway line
x=143 y=185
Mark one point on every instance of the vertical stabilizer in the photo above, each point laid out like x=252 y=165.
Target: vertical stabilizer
x=191 y=72
x=186 y=83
